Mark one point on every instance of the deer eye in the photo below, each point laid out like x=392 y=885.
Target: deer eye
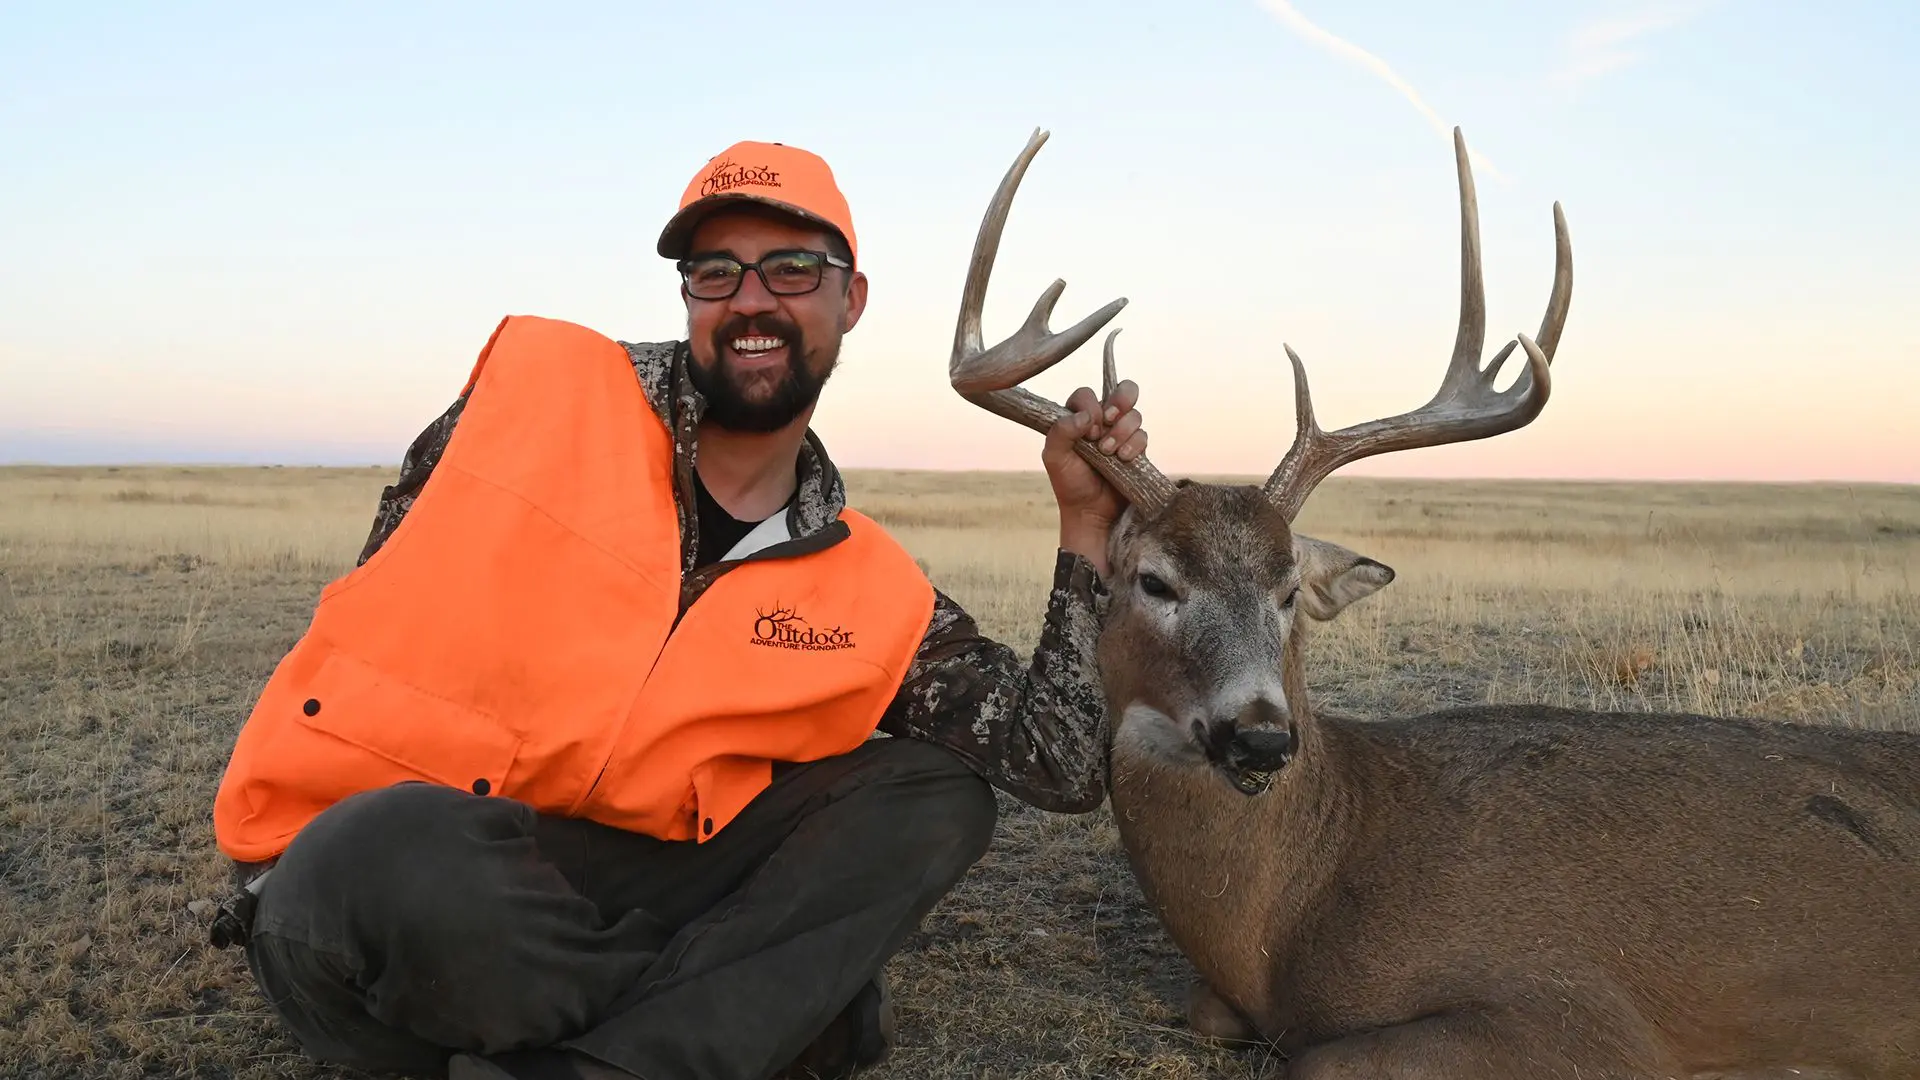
x=1292 y=594
x=1154 y=586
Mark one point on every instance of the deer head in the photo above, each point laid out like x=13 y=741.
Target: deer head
x=1201 y=652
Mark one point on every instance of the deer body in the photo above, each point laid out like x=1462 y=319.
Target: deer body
x=1494 y=893
x=1655 y=895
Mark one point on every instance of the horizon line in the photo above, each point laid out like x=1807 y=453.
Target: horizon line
x=1597 y=478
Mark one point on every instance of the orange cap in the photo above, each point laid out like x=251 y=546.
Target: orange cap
x=778 y=175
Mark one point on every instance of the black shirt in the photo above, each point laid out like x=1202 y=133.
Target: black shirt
x=719 y=530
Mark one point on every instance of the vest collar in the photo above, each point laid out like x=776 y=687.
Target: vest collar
x=772 y=531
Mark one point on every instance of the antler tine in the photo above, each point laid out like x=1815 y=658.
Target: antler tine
x=990 y=378
x=1466 y=407
x=1109 y=377
x=1558 y=301
x=1032 y=349
x=1472 y=335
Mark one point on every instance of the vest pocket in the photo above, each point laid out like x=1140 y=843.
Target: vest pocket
x=430 y=737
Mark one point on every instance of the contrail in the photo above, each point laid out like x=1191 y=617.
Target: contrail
x=1341 y=47
x=1599 y=46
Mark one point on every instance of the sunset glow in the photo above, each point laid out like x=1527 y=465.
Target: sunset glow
x=283 y=236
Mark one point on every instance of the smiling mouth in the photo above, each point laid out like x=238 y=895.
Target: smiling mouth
x=757 y=348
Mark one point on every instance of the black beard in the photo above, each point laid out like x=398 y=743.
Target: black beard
x=727 y=408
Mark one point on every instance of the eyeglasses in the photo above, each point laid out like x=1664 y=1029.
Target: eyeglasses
x=784 y=273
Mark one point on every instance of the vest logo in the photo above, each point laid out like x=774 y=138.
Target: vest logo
x=783 y=628
x=727 y=175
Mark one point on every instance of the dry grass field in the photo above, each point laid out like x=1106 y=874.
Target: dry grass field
x=141 y=609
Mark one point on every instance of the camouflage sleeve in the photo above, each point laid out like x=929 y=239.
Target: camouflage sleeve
x=421 y=457
x=1037 y=730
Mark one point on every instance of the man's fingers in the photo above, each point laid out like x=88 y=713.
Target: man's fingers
x=1084 y=401
x=1113 y=425
x=1121 y=432
x=1071 y=427
x=1126 y=393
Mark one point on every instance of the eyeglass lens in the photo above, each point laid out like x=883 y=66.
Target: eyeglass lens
x=786 y=273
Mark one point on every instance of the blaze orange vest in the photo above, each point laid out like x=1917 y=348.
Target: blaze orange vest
x=516 y=635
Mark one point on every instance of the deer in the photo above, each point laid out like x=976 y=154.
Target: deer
x=1492 y=892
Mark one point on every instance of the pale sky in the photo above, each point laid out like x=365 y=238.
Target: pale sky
x=281 y=233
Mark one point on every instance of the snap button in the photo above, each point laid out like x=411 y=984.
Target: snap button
x=481 y=787
x=312 y=706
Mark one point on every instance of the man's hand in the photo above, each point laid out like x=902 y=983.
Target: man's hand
x=1088 y=504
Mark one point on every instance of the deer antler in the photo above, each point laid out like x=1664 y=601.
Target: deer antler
x=1466 y=407
x=990 y=378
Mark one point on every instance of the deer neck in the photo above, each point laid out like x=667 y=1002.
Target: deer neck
x=1233 y=876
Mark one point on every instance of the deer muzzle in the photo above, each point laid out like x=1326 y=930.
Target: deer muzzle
x=1250 y=747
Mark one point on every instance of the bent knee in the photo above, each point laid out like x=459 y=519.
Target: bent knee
x=386 y=847
x=952 y=804
x=392 y=826
x=974 y=810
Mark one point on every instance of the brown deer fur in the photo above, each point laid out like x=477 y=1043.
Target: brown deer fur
x=1497 y=892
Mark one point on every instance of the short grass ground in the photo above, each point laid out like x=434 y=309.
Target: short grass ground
x=142 y=608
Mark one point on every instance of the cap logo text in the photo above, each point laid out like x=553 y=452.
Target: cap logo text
x=727 y=175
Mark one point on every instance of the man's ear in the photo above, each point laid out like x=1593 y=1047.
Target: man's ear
x=1331 y=577
x=856 y=301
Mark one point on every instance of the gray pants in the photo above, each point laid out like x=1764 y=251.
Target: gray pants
x=411 y=922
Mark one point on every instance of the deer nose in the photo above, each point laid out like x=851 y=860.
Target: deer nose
x=1265 y=748
x=1262 y=716
x=1260 y=735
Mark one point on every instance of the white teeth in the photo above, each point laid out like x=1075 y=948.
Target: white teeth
x=756 y=344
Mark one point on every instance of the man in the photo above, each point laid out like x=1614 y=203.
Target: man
x=627 y=749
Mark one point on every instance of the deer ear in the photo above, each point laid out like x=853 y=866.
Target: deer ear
x=1120 y=537
x=1331 y=577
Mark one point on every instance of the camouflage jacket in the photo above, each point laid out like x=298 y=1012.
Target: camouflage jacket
x=1035 y=729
